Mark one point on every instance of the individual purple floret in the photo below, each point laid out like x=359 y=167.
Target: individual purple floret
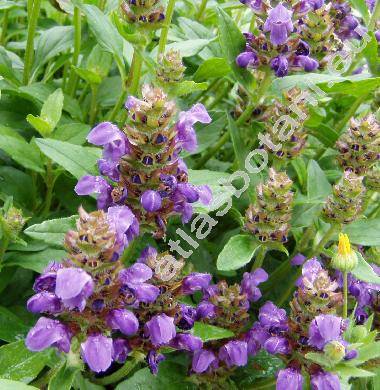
x=97 y=352
x=289 y=379
x=203 y=360
x=124 y=320
x=187 y=342
x=194 y=282
x=325 y=380
x=234 y=353
x=153 y=360
x=160 y=329
x=279 y=23
x=251 y=281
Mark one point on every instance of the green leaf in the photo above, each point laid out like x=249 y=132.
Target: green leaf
x=78 y=160
x=368 y=352
x=41 y=125
x=233 y=43
x=319 y=358
x=74 y=133
x=12 y=327
x=99 y=61
x=364 y=232
x=370 y=52
x=363 y=271
x=88 y=75
x=352 y=372
x=19 y=364
x=210 y=332
x=238 y=252
x=19 y=150
x=318 y=187
x=52 y=231
x=14 y=385
x=186 y=87
x=362 y=7
x=52 y=108
x=63 y=379
x=52 y=42
x=6 y=67
x=36 y=261
x=186 y=48
x=212 y=68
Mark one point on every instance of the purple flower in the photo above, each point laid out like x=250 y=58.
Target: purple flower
x=272 y=317
x=305 y=62
x=325 y=328
x=279 y=23
x=280 y=66
x=124 y=223
x=135 y=274
x=121 y=350
x=205 y=310
x=325 y=381
x=310 y=271
x=194 y=282
x=154 y=359
x=124 y=320
x=255 y=338
x=255 y=5
x=202 y=360
x=44 y=302
x=144 y=292
x=251 y=281
x=73 y=286
x=46 y=281
x=352 y=354
x=377 y=35
x=160 y=329
x=88 y=185
x=151 y=200
x=277 y=344
x=97 y=352
x=48 y=333
x=289 y=378
x=234 y=353
x=205 y=194
x=298 y=259
x=187 y=342
x=187 y=119
x=247 y=59
x=186 y=317
x=147 y=254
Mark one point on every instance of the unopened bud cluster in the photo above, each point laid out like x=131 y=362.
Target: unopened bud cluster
x=268 y=219
x=147 y=13
x=170 y=68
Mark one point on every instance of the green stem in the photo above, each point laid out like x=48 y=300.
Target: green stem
x=375 y=16
x=201 y=10
x=137 y=357
x=117 y=106
x=49 y=180
x=345 y=294
x=351 y=112
x=135 y=72
x=260 y=257
x=325 y=239
x=4 y=28
x=73 y=80
x=94 y=93
x=4 y=247
x=29 y=51
x=241 y=120
x=226 y=88
x=165 y=28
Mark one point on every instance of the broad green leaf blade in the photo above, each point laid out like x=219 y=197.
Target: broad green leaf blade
x=364 y=271
x=238 y=251
x=52 y=108
x=78 y=160
x=212 y=68
x=210 y=332
x=19 y=364
x=318 y=187
x=14 y=385
x=52 y=231
x=41 y=125
x=12 y=327
x=186 y=87
x=19 y=150
x=233 y=43
x=186 y=48
x=364 y=232
x=63 y=378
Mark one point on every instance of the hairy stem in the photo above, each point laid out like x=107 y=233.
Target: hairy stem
x=93 y=108
x=73 y=80
x=165 y=27
x=29 y=51
x=260 y=257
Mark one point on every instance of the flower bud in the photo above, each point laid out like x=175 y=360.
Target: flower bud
x=346 y=259
x=335 y=351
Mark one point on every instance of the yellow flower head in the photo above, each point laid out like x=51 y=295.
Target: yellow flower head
x=344 y=246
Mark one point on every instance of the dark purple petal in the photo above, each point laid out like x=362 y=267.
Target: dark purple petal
x=256 y=338
x=121 y=350
x=144 y=292
x=202 y=360
x=325 y=328
x=298 y=259
x=187 y=342
x=160 y=329
x=48 y=333
x=136 y=273
x=280 y=66
x=325 y=380
x=104 y=133
x=44 y=302
x=234 y=353
x=147 y=254
x=45 y=282
x=205 y=310
x=88 y=185
x=279 y=23
x=277 y=344
x=306 y=62
x=151 y=200
x=97 y=352
x=194 y=282
x=247 y=59
x=154 y=359
x=289 y=379
x=270 y=316
x=251 y=281
x=186 y=317
x=123 y=320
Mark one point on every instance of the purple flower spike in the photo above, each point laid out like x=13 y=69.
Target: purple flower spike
x=73 y=286
x=48 y=333
x=325 y=328
x=279 y=23
x=44 y=302
x=135 y=274
x=187 y=342
x=187 y=119
x=276 y=345
x=160 y=329
x=194 y=282
x=202 y=360
x=289 y=378
x=325 y=380
x=151 y=200
x=97 y=352
x=247 y=59
x=280 y=66
x=124 y=320
x=251 y=281
x=121 y=350
x=95 y=185
x=154 y=359
x=234 y=353
x=124 y=223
